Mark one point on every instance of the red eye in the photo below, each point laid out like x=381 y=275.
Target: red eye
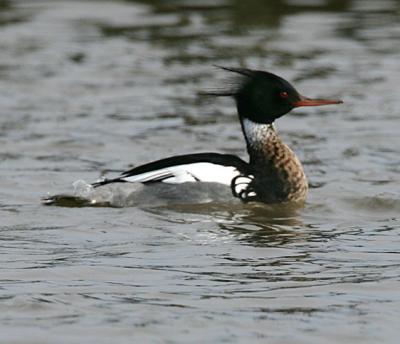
x=284 y=94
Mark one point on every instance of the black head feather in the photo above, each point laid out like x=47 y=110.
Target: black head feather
x=260 y=96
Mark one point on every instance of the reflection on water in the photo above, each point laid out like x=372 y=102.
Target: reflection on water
x=93 y=86
x=258 y=224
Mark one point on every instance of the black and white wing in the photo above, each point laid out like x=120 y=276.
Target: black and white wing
x=202 y=167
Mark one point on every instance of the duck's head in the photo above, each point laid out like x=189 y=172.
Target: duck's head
x=263 y=97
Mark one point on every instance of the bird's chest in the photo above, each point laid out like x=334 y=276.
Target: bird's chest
x=276 y=176
x=280 y=180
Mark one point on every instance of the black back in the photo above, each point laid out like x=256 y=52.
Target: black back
x=214 y=158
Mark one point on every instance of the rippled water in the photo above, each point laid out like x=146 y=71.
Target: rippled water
x=89 y=87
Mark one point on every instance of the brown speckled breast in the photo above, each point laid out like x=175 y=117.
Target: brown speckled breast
x=278 y=173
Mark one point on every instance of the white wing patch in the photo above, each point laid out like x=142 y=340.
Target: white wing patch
x=195 y=172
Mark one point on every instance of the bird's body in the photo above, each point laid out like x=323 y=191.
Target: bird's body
x=273 y=174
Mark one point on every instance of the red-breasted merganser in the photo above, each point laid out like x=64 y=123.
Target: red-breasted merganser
x=273 y=174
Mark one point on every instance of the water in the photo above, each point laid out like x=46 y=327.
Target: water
x=89 y=87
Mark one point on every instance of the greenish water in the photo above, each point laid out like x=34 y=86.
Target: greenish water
x=93 y=87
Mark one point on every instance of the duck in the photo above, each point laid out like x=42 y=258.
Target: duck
x=273 y=172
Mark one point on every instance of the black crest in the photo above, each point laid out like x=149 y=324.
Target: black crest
x=260 y=96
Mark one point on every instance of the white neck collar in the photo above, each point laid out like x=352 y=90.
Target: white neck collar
x=256 y=133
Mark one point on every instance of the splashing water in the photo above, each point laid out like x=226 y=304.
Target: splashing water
x=135 y=194
x=84 y=194
x=82 y=189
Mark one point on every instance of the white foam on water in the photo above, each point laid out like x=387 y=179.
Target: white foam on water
x=138 y=194
x=82 y=189
x=117 y=195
